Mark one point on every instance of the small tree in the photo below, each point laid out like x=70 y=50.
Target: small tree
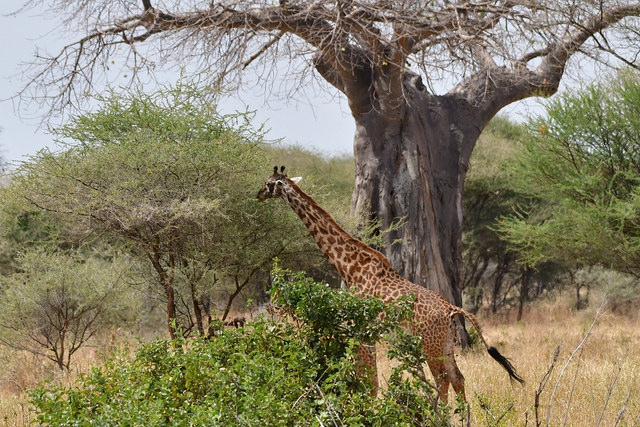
x=171 y=178
x=56 y=303
x=582 y=159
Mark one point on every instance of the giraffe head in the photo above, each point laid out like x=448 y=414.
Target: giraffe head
x=275 y=185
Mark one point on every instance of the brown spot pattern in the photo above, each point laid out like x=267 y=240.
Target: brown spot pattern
x=368 y=273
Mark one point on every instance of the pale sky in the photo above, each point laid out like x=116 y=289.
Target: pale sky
x=326 y=125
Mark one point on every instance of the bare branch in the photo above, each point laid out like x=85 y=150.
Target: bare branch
x=360 y=47
x=578 y=348
x=555 y=61
x=262 y=50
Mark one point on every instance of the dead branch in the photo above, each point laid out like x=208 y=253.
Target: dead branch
x=612 y=384
x=350 y=41
x=543 y=383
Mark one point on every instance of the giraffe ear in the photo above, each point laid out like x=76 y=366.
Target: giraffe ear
x=297 y=179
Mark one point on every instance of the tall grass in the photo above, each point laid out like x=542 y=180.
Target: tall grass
x=594 y=380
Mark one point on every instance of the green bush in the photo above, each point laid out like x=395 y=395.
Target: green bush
x=580 y=160
x=272 y=372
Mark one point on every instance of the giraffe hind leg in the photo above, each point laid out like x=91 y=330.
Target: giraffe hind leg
x=445 y=370
x=448 y=357
x=455 y=376
x=366 y=366
x=441 y=377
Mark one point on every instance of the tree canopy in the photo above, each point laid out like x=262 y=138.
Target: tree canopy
x=582 y=159
x=174 y=181
x=522 y=43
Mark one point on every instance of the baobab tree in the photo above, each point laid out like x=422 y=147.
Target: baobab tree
x=411 y=146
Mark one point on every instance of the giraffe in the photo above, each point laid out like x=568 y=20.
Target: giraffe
x=367 y=272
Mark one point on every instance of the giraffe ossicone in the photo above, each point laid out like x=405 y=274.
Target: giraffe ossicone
x=367 y=272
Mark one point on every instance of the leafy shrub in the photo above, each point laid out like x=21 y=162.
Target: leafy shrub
x=271 y=372
x=580 y=160
x=619 y=288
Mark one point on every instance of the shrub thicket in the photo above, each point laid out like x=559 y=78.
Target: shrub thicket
x=272 y=372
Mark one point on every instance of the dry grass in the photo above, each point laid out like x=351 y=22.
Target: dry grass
x=600 y=386
x=21 y=371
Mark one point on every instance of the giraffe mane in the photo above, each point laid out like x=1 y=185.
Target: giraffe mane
x=360 y=244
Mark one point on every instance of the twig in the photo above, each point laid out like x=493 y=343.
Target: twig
x=611 y=385
x=579 y=347
x=263 y=49
x=334 y=416
x=309 y=390
x=623 y=409
x=573 y=387
x=636 y=421
x=543 y=383
x=485 y=407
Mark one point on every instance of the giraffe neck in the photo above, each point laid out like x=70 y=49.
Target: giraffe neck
x=349 y=256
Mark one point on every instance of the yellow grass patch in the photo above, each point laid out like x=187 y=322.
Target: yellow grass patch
x=593 y=384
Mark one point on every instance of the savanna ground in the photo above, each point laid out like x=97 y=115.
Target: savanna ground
x=599 y=386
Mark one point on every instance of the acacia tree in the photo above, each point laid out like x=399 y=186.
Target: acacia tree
x=55 y=303
x=173 y=181
x=411 y=146
x=584 y=160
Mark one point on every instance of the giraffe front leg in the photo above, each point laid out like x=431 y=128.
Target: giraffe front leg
x=366 y=366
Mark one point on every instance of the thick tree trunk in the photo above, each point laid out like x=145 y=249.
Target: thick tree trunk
x=414 y=169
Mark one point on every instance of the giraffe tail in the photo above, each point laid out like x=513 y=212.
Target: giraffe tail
x=493 y=352
x=506 y=364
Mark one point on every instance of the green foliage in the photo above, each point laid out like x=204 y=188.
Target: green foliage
x=582 y=159
x=490 y=264
x=330 y=177
x=268 y=373
x=56 y=302
x=148 y=167
x=170 y=179
x=489 y=189
x=619 y=288
x=502 y=128
x=336 y=315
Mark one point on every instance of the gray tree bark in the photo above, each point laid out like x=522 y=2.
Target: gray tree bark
x=411 y=165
